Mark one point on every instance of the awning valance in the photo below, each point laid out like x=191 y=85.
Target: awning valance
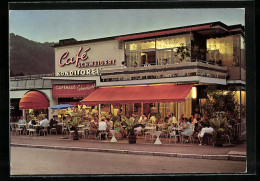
x=138 y=94
x=34 y=100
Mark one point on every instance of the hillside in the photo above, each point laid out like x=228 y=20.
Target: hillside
x=29 y=58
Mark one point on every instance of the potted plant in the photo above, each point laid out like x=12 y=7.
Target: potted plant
x=77 y=117
x=220 y=125
x=130 y=125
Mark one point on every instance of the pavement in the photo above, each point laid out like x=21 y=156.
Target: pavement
x=236 y=152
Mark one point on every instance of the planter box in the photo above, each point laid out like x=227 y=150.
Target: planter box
x=218 y=142
x=132 y=139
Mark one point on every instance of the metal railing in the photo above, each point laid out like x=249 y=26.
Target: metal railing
x=164 y=71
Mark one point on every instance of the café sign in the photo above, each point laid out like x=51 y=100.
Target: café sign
x=79 y=61
x=72 y=90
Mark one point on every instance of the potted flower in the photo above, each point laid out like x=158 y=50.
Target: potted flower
x=130 y=125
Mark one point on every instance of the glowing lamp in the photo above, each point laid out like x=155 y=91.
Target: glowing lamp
x=194 y=92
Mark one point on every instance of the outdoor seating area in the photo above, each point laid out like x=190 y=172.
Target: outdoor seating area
x=152 y=129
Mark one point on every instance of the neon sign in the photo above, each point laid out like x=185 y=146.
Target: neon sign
x=65 y=60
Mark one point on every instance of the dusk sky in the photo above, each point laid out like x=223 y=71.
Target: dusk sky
x=54 y=25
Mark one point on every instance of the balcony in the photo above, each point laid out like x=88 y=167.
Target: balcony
x=188 y=69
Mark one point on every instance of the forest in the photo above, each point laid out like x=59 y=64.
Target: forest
x=28 y=57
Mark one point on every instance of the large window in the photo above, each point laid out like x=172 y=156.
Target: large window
x=155 y=50
x=225 y=50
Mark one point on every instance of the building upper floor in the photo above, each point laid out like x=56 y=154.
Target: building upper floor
x=210 y=52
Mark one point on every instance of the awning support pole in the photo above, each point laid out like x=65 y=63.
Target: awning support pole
x=142 y=108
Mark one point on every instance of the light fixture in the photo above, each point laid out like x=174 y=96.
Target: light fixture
x=194 y=92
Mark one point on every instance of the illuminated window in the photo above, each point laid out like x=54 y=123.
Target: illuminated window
x=225 y=49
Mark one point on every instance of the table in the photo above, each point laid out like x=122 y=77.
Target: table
x=113 y=132
x=150 y=128
x=81 y=126
x=158 y=141
x=21 y=125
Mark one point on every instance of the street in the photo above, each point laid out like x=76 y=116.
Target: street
x=34 y=161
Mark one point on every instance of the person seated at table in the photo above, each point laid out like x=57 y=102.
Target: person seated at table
x=31 y=121
x=153 y=119
x=146 y=64
x=53 y=122
x=135 y=64
x=109 y=124
x=93 y=126
x=191 y=118
x=187 y=129
x=119 y=128
x=179 y=60
x=195 y=120
x=21 y=120
x=172 y=120
x=160 y=121
x=203 y=132
x=102 y=126
x=164 y=129
x=164 y=62
x=43 y=124
x=142 y=120
x=123 y=64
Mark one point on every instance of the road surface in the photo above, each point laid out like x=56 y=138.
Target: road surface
x=34 y=161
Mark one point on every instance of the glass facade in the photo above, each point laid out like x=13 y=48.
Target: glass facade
x=155 y=50
x=225 y=49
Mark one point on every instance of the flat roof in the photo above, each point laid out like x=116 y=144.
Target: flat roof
x=220 y=27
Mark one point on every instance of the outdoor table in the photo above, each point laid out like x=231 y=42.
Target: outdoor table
x=158 y=141
x=113 y=132
x=81 y=126
x=21 y=125
x=150 y=128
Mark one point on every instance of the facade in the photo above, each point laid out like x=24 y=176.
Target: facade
x=205 y=55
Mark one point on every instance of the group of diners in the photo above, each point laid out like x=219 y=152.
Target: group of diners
x=42 y=123
x=195 y=125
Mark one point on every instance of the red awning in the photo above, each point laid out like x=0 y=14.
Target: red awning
x=34 y=100
x=160 y=33
x=138 y=94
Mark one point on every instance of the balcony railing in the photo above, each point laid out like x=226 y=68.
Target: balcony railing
x=164 y=71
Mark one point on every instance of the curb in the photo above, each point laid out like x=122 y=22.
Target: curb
x=178 y=155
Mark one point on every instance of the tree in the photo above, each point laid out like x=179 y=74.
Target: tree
x=222 y=101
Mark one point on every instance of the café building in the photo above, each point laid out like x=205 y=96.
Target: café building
x=166 y=71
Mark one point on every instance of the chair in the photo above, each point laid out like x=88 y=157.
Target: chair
x=12 y=129
x=31 y=131
x=101 y=133
x=44 y=130
x=53 y=130
x=172 y=133
x=150 y=133
x=70 y=132
x=18 y=129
